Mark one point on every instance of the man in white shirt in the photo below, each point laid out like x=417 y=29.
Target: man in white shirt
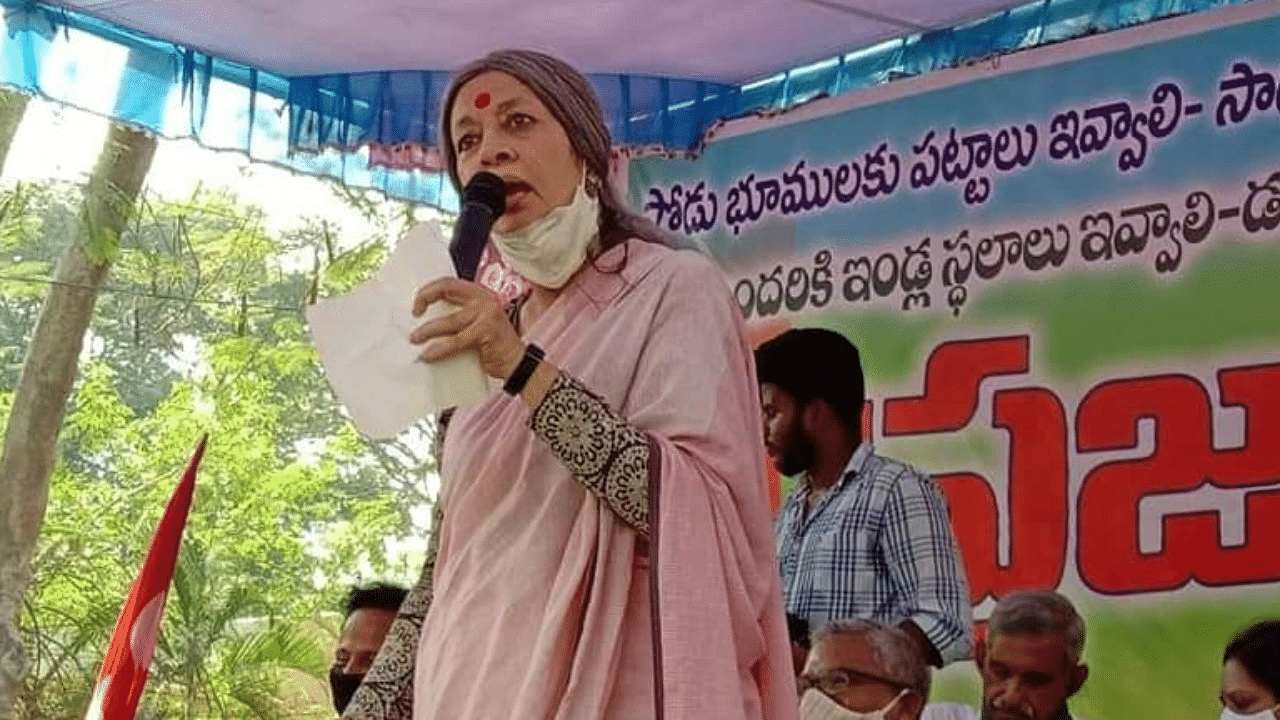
x=1031 y=662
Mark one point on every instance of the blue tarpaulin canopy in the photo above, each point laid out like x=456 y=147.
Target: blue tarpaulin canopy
x=351 y=90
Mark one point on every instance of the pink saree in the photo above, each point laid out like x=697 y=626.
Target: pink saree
x=546 y=604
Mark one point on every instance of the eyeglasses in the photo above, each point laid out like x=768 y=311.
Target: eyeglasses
x=837 y=680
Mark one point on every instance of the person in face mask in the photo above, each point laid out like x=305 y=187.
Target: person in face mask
x=1251 y=674
x=604 y=546
x=863 y=670
x=370 y=612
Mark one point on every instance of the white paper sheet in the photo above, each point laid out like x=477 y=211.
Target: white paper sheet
x=363 y=341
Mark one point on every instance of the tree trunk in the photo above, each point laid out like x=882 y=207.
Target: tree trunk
x=48 y=375
x=12 y=106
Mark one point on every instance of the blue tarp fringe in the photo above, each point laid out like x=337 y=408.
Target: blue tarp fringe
x=323 y=125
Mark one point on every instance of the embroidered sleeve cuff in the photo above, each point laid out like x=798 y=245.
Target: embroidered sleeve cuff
x=603 y=451
x=387 y=690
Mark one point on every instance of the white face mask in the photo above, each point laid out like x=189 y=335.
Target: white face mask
x=817 y=705
x=549 y=250
x=1229 y=714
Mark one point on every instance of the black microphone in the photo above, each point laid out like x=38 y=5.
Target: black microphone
x=484 y=199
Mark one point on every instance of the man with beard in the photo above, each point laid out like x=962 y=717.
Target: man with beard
x=1030 y=663
x=370 y=612
x=860 y=535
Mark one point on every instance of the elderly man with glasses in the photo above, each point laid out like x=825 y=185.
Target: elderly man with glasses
x=863 y=670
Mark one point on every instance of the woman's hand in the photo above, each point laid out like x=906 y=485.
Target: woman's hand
x=478 y=324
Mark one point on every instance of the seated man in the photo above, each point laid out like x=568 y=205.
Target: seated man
x=370 y=612
x=1030 y=663
x=861 y=669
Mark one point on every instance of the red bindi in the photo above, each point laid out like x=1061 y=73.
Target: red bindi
x=482 y=100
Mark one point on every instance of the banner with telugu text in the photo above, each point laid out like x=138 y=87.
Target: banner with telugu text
x=1063 y=270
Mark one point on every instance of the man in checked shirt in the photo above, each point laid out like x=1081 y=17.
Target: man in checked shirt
x=860 y=535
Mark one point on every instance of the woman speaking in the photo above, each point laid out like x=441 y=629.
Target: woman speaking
x=604 y=549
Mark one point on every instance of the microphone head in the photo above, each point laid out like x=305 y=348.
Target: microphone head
x=487 y=190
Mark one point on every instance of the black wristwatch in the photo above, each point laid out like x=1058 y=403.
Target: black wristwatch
x=533 y=355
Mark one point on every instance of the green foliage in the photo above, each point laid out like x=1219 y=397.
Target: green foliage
x=27 y=213
x=229 y=654
x=200 y=328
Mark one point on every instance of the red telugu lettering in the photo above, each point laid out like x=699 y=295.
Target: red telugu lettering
x=1037 y=474
x=1110 y=557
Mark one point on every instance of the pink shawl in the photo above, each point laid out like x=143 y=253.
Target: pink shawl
x=543 y=597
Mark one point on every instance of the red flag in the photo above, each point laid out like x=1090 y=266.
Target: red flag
x=124 y=670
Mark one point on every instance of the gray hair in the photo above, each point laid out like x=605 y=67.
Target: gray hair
x=1039 y=612
x=573 y=102
x=898 y=655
